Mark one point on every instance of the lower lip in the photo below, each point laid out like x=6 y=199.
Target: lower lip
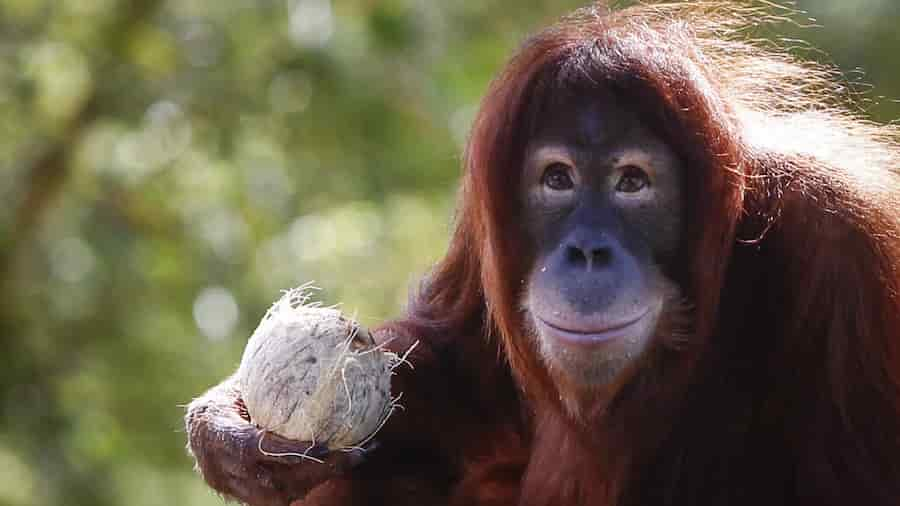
x=594 y=338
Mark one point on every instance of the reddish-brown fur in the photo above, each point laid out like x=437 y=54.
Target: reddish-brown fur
x=785 y=389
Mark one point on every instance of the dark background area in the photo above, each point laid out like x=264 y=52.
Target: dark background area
x=167 y=167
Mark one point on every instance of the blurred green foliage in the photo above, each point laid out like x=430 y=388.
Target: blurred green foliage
x=166 y=167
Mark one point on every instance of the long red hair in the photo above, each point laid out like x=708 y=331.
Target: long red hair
x=791 y=262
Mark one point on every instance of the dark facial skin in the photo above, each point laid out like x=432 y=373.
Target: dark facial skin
x=602 y=196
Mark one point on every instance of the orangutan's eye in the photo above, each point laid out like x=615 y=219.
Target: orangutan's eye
x=558 y=177
x=633 y=180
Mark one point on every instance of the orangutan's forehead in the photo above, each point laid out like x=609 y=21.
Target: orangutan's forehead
x=587 y=122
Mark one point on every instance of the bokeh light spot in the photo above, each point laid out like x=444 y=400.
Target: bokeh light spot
x=71 y=259
x=311 y=22
x=216 y=313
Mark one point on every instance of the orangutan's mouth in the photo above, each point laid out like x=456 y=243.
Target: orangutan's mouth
x=584 y=336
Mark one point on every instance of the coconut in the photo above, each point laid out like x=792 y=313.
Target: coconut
x=309 y=373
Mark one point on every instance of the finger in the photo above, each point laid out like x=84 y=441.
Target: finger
x=258 y=492
x=297 y=481
x=271 y=447
x=339 y=460
x=335 y=463
x=344 y=460
x=235 y=450
x=229 y=477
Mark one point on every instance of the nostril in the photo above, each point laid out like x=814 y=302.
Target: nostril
x=576 y=257
x=601 y=257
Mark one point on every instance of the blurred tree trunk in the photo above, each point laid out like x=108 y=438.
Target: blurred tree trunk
x=29 y=384
x=46 y=173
